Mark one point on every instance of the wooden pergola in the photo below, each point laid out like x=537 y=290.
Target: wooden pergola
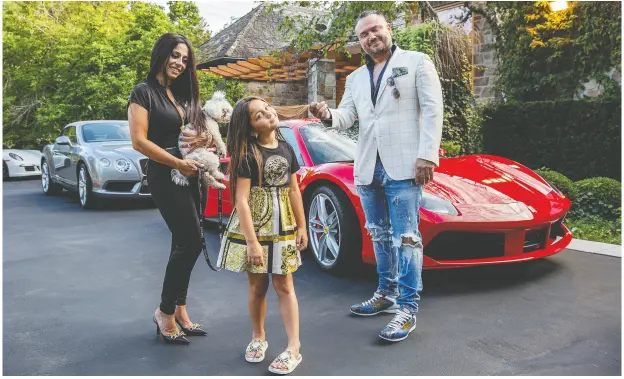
x=289 y=68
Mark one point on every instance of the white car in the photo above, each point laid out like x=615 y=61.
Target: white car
x=18 y=163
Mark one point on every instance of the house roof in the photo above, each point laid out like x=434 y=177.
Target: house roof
x=253 y=35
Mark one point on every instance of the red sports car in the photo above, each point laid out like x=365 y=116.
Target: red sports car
x=479 y=209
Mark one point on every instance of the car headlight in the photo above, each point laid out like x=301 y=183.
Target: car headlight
x=105 y=162
x=437 y=205
x=122 y=165
x=16 y=157
x=557 y=190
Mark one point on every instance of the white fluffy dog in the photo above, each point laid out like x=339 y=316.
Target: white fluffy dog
x=217 y=109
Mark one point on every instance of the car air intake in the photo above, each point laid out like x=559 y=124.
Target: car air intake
x=556 y=230
x=119 y=186
x=535 y=239
x=450 y=246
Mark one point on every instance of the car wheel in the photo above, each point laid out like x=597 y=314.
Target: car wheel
x=49 y=187
x=5 y=172
x=333 y=229
x=85 y=188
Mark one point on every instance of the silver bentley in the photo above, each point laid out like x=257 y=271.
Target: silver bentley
x=95 y=159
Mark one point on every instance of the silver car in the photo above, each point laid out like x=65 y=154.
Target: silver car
x=96 y=159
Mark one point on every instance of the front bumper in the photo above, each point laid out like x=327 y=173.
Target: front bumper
x=18 y=170
x=123 y=189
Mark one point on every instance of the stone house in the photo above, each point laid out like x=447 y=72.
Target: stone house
x=242 y=50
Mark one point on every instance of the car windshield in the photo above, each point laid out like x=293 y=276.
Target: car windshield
x=327 y=145
x=103 y=132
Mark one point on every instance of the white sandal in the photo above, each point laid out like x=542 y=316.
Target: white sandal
x=288 y=360
x=254 y=347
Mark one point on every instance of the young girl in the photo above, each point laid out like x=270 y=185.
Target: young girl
x=267 y=228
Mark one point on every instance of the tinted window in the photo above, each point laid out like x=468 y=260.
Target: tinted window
x=289 y=135
x=105 y=132
x=327 y=145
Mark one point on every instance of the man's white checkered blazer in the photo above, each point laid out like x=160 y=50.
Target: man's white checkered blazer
x=401 y=130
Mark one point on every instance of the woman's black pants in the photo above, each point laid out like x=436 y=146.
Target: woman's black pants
x=179 y=206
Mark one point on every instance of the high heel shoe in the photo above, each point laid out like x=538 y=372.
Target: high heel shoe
x=194 y=330
x=175 y=338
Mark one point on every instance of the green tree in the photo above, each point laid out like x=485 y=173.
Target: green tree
x=70 y=61
x=546 y=55
x=185 y=16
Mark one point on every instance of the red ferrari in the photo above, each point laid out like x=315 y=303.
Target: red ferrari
x=478 y=210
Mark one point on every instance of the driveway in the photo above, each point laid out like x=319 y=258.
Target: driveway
x=80 y=288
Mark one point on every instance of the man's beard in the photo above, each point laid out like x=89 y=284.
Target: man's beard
x=380 y=50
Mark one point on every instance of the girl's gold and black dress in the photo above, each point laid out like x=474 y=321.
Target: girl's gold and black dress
x=271 y=212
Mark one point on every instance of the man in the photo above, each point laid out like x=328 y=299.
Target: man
x=398 y=99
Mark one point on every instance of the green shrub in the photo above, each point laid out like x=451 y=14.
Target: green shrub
x=578 y=138
x=594 y=228
x=598 y=197
x=452 y=148
x=560 y=181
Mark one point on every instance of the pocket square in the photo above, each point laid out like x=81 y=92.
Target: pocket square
x=399 y=71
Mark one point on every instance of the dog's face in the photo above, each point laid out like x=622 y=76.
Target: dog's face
x=218 y=109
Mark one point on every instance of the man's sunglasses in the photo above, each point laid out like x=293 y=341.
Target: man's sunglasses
x=395 y=91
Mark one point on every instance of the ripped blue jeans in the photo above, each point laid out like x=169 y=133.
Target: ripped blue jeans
x=392 y=214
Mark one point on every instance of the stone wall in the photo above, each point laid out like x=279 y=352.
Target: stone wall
x=280 y=93
x=484 y=59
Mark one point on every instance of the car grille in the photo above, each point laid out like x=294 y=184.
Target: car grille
x=143 y=164
x=30 y=168
x=535 y=239
x=119 y=186
x=465 y=245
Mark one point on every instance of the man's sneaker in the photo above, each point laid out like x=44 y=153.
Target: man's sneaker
x=377 y=304
x=402 y=324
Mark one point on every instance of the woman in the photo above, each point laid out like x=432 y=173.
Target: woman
x=157 y=110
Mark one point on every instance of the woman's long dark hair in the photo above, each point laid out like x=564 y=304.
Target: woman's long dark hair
x=185 y=88
x=240 y=141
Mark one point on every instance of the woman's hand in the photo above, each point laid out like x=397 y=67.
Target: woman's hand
x=255 y=254
x=193 y=140
x=302 y=239
x=188 y=167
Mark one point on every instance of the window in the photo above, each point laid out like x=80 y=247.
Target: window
x=289 y=135
x=70 y=132
x=104 y=132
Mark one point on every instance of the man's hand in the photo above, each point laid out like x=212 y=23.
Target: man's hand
x=424 y=171
x=320 y=110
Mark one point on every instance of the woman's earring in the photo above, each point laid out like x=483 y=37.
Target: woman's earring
x=254 y=134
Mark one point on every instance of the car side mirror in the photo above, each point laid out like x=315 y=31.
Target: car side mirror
x=63 y=140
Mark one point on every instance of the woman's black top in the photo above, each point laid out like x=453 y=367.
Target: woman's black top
x=164 y=118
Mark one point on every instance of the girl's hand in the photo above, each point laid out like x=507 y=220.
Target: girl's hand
x=255 y=254
x=188 y=167
x=302 y=238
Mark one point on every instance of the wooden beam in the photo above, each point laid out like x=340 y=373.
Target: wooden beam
x=338 y=70
x=236 y=67
x=221 y=72
x=259 y=62
x=230 y=70
x=352 y=68
x=250 y=66
x=270 y=59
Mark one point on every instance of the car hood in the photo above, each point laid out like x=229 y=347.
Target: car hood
x=478 y=180
x=124 y=149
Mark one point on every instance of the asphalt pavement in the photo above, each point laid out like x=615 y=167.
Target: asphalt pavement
x=80 y=288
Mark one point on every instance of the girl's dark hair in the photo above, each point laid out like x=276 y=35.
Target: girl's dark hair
x=240 y=142
x=185 y=88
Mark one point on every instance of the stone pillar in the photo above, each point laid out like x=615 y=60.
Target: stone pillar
x=484 y=59
x=322 y=82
